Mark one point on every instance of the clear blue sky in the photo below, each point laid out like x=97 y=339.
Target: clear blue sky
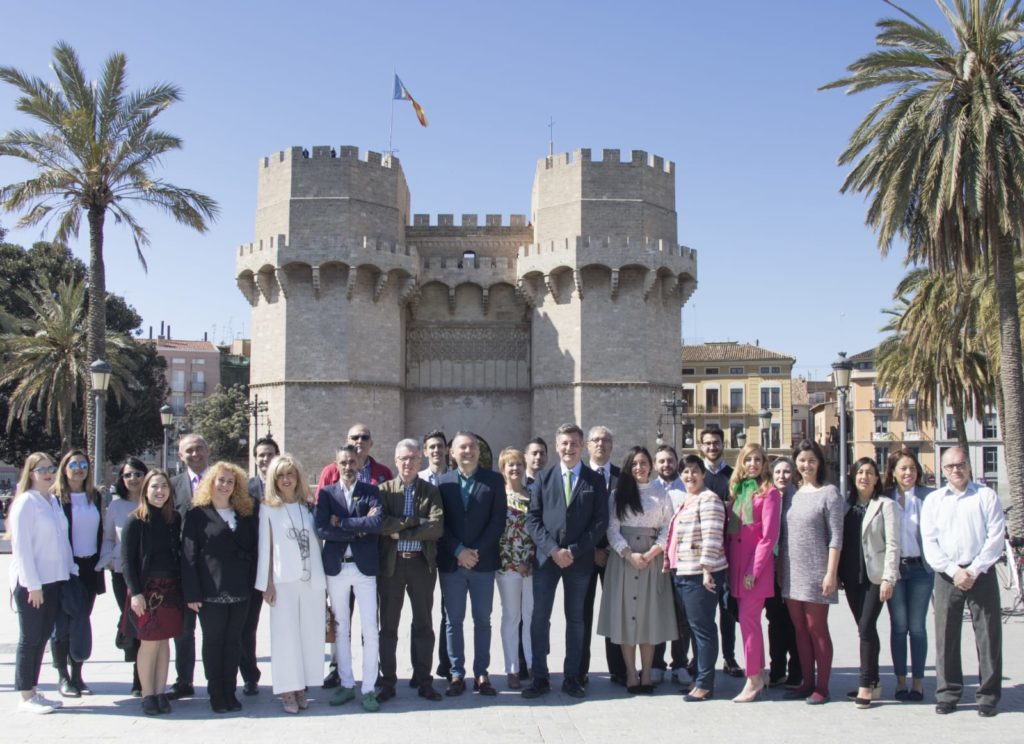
x=726 y=90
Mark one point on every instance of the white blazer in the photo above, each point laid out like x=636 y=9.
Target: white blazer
x=287 y=560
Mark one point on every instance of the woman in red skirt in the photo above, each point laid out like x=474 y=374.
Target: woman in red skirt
x=151 y=562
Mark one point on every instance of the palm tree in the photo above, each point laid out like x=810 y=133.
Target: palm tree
x=935 y=353
x=48 y=365
x=96 y=154
x=942 y=155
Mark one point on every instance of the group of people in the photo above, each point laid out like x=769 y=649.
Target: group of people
x=673 y=543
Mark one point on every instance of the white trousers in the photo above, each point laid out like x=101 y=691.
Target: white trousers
x=516 y=593
x=297 y=636
x=340 y=588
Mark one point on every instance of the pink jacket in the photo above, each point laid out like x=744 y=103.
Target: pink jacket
x=752 y=549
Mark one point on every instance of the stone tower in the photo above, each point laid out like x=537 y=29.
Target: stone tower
x=498 y=326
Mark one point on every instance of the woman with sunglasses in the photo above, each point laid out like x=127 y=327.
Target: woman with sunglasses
x=71 y=642
x=128 y=492
x=290 y=574
x=41 y=563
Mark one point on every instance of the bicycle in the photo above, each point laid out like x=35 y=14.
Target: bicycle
x=1010 y=573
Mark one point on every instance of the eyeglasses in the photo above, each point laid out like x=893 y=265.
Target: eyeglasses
x=600 y=440
x=133 y=474
x=78 y=465
x=407 y=458
x=45 y=469
x=950 y=467
x=360 y=437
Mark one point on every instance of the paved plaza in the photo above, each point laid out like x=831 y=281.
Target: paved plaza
x=608 y=714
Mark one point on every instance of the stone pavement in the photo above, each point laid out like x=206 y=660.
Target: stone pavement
x=608 y=714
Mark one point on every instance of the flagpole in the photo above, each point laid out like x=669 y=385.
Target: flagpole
x=391 y=125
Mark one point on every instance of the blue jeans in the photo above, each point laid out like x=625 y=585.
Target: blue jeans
x=700 y=606
x=479 y=585
x=575 y=581
x=908 y=611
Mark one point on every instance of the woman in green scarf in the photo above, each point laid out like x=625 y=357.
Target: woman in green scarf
x=751 y=536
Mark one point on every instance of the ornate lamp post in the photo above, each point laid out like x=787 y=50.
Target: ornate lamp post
x=674 y=406
x=100 y=373
x=841 y=370
x=764 y=418
x=167 y=419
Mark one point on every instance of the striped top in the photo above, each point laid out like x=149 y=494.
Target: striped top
x=696 y=538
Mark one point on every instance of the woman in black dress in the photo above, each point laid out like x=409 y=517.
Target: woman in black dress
x=218 y=572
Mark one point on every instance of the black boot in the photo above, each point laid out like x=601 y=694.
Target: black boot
x=136 y=685
x=59 y=652
x=230 y=699
x=76 y=678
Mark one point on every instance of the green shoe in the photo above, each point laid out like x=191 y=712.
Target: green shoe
x=342 y=695
x=370 y=704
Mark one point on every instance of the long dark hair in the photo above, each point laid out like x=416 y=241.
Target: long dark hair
x=851 y=481
x=627 y=492
x=135 y=464
x=889 y=484
x=809 y=445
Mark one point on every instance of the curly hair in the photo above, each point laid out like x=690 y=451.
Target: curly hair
x=240 y=499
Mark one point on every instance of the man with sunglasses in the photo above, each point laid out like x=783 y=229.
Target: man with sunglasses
x=369 y=470
x=962 y=532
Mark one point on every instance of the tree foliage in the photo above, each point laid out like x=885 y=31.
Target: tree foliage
x=223 y=420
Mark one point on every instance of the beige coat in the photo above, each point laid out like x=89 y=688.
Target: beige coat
x=880 y=540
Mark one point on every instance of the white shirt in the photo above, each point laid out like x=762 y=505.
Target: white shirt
x=40 y=548
x=430 y=476
x=228 y=515
x=910 y=524
x=674 y=489
x=605 y=471
x=715 y=469
x=85 y=526
x=962 y=529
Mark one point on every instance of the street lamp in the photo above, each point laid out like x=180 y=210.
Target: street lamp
x=674 y=406
x=100 y=373
x=841 y=369
x=741 y=439
x=167 y=419
x=764 y=417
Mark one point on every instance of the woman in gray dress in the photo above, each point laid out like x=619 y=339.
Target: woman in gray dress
x=636 y=603
x=809 y=545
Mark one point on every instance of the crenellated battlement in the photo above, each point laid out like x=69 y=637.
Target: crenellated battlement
x=469 y=220
x=343 y=154
x=637 y=158
x=626 y=246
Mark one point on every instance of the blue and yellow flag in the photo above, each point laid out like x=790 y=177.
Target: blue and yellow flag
x=402 y=94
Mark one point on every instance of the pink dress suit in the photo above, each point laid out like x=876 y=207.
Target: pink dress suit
x=751 y=551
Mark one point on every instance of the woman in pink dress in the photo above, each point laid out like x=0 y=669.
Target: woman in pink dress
x=751 y=535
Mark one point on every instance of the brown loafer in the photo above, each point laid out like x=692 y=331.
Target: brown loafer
x=484 y=687
x=427 y=691
x=456 y=687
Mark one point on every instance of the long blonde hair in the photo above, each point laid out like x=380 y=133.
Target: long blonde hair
x=281 y=463
x=240 y=499
x=764 y=480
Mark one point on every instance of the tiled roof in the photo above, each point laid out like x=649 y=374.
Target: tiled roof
x=731 y=351
x=864 y=356
x=168 y=344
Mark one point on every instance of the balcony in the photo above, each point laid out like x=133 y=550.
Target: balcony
x=912 y=436
x=882 y=404
x=197 y=387
x=882 y=436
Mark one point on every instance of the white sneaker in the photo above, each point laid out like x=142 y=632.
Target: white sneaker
x=657 y=676
x=46 y=701
x=35 y=705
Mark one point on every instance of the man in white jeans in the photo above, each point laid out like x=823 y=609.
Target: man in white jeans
x=348 y=520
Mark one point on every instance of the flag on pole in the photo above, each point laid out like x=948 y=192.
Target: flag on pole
x=401 y=94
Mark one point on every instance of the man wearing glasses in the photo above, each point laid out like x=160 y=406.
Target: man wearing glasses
x=368 y=471
x=962 y=530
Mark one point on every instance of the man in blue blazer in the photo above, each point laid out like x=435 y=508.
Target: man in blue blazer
x=348 y=520
x=467 y=558
x=567 y=518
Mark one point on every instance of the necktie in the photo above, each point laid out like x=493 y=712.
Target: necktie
x=568 y=486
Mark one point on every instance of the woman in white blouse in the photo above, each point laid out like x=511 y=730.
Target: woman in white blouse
x=41 y=561
x=290 y=574
x=72 y=636
x=637 y=604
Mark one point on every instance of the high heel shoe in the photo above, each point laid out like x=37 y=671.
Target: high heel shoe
x=748 y=694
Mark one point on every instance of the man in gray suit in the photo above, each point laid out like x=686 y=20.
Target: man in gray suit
x=263 y=451
x=195 y=453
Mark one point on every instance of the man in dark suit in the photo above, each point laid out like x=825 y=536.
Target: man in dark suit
x=348 y=520
x=474 y=519
x=568 y=515
x=194 y=452
x=263 y=452
x=599 y=446
x=413 y=523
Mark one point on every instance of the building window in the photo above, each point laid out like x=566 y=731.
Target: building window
x=198 y=361
x=989 y=427
x=912 y=421
x=990 y=462
x=198 y=385
x=735 y=370
x=688 y=371
x=771 y=370
x=776 y=440
x=688 y=398
x=881 y=457
x=736 y=400
x=177 y=381
x=771 y=398
x=711 y=370
x=177 y=403
x=881 y=425
x=711 y=400
x=177 y=360
x=735 y=429
x=951 y=432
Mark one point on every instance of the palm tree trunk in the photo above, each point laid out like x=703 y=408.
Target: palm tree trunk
x=1011 y=379
x=97 y=321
